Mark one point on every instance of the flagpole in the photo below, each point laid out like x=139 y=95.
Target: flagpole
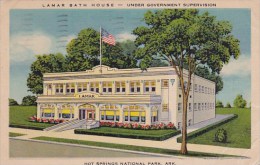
x=100 y=53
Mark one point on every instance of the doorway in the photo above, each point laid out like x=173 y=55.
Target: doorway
x=91 y=115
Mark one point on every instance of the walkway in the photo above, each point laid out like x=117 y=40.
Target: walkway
x=167 y=144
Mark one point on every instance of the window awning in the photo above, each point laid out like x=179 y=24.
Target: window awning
x=66 y=111
x=48 y=111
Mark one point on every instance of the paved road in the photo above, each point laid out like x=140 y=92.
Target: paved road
x=22 y=148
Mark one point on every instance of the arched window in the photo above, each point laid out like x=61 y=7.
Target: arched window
x=66 y=111
x=110 y=112
x=47 y=111
x=134 y=113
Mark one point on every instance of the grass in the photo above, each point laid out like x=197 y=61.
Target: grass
x=238 y=130
x=19 y=115
x=130 y=133
x=12 y=134
x=130 y=147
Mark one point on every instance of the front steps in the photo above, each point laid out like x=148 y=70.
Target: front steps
x=73 y=124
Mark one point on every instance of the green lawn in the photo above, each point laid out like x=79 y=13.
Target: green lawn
x=131 y=133
x=19 y=115
x=238 y=130
x=130 y=147
x=12 y=134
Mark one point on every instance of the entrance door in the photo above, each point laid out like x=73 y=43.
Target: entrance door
x=82 y=114
x=91 y=115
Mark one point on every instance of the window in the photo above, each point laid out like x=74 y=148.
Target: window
x=154 y=117
x=135 y=86
x=82 y=87
x=195 y=106
x=206 y=90
x=179 y=107
x=190 y=108
x=70 y=88
x=165 y=108
x=120 y=86
x=110 y=113
x=150 y=86
x=185 y=84
x=134 y=113
x=94 y=87
x=189 y=122
x=202 y=89
x=202 y=106
x=165 y=83
x=179 y=125
x=195 y=88
x=199 y=107
x=59 y=88
x=199 y=89
x=107 y=87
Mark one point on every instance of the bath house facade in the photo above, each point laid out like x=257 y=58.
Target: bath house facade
x=124 y=95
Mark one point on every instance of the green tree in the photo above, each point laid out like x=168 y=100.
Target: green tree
x=83 y=52
x=239 y=102
x=207 y=74
x=29 y=100
x=12 y=102
x=219 y=104
x=228 y=105
x=184 y=36
x=44 y=64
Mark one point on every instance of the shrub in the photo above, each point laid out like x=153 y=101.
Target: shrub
x=12 y=102
x=228 y=105
x=219 y=104
x=221 y=135
x=239 y=102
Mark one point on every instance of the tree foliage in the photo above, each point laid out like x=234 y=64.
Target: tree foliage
x=207 y=74
x=185 y=36
x=47 y=63
x=29 y=100
x=228 y=105
x=239 y=102
x=219 y=104
x=12 y=102
x=83 y=52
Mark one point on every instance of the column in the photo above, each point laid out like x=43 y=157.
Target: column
x=88 y=86
x=76 y=88
x=158 y=87
x=64 y=88
x=45 y=89
x=53 y=89
x=76 y=111
x=56 y=114
x=148 y=115
x=100 y=87
x=127 y=87
x=38 y=111
x=142 y=87
x=113 y=87
x=121 y=113
x=97 y=112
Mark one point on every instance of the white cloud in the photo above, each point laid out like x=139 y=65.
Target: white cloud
x=125 y=36
x=23 y=46
x=240 y=67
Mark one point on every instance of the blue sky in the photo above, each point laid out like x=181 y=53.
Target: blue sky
x=34 y=32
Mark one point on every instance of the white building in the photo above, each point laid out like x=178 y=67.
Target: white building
x=124 y=95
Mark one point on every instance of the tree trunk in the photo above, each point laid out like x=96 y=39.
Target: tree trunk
x=184 y=150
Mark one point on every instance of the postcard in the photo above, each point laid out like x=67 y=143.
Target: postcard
x=130 y=83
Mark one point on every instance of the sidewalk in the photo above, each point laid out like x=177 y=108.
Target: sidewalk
x=167 y=144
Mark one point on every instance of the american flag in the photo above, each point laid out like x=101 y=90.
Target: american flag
x=107 y=37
